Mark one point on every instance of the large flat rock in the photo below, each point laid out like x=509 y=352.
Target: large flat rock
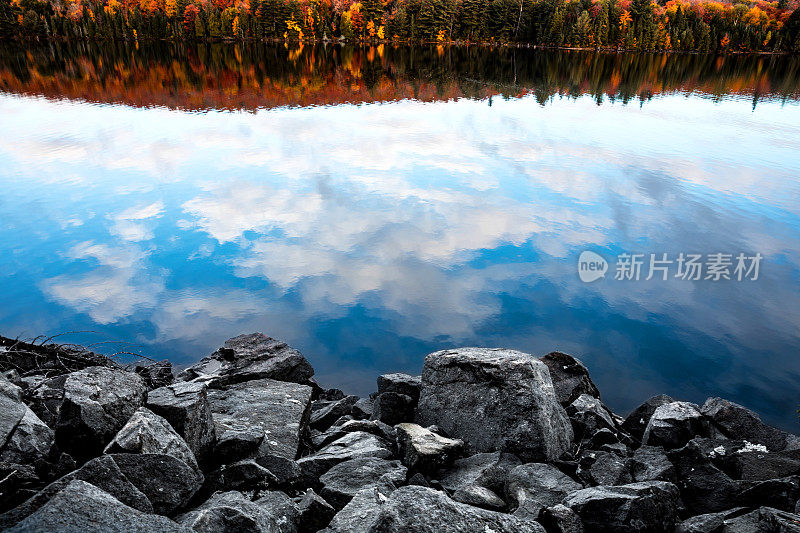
x=273 y=414
x=82 y=507
x=249 y=357
x=494 y=400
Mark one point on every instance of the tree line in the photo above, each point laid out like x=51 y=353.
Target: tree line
x=683 y=25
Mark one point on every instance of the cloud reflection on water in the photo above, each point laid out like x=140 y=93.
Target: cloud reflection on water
x=370 y=235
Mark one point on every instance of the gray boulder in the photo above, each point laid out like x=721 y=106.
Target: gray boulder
x=650 y=506
x=157 y=374
x=376 y=427
x=425 y=451
x=97 y=401
x=704 y=487
x=589 y=416
x=488 y=470
x=637 y=421
x=351 y=446
x=478 y=496
x=393 y=408
x=570 y=377
x=362 y=409
x=739 y=423
x=414 y=509
x=343 y=481
x=185 y=406
x=244 y=475
x=250 y=357
x=651 y=464
x=230 y=512
x=561 y=519
x=314 y=513
x=146 y=432
x=605 y=468
x=168 y=483
x=324 y=418
x=763 y=519
x=283 y=509
x=401 y=384
x=11 y=409
x=82 y=507
x=30 y=441
x=261 y=418
x=494 y=400
x=534 y=486
x=101 y=472
x=674 y=424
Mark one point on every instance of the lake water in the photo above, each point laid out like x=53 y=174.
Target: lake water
x=369 y=206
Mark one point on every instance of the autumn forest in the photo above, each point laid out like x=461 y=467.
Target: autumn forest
x=681 y=25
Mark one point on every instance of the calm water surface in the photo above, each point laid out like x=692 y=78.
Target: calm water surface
x=370 y=206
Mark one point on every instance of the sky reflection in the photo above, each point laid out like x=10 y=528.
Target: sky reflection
x=370 y=235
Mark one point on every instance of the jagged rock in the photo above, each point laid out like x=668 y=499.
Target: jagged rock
x=230 y=512
x=96 y=403
x=250 y=357
x=570 y=377
x=362 y=409
x=494 y=400
x=272 y=413
x=101 y=472
x=560 y=519
x=244 y=475
x=605 y=468
x=393 y=408
x=602 y=437
x=739 y=423
x=314 y=513
x=588 y=415
x=708 y=523
x=282 y=508
x=286 y=472
x=488 y=470
x=11 y=409
x=764 y=519
x=424 y=451
x=157 y=374
x=146 y=432
x=414 y=509
x=168 y=483
x=651 y=464
x=324 y=418
x=532 y=487
x=18 y=483
x=376 y=427
x=343 y=481
x=674 y=424
x=637 y=421
x=478 y=496
x=81 y=506
x=781 y=494
x=351 y=446
x=30 y=441
x=233 y=444
x=185 y=406
x=333 y=395
x=748 y=461
x=650 y=506
x=401 y=384
x=704 y=487
x=418 y=479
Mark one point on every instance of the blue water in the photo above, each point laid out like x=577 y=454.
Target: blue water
x=370 y=235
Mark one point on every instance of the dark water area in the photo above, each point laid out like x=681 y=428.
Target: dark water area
x=371 y=205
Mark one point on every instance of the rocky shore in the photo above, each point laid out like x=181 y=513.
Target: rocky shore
x=484 y=441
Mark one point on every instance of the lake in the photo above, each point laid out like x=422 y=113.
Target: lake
x=372 y=205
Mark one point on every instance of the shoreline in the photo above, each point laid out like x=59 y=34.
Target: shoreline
x=488 y=438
